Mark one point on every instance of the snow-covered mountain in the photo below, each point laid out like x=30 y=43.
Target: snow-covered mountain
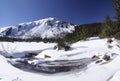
x=44 y=28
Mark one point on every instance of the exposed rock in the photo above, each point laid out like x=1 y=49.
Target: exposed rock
x=106 y=57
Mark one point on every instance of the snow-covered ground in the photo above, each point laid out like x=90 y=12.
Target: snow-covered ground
x=103 y=71
x=20 y=48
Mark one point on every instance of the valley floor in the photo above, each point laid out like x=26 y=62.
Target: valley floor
x=96 y=71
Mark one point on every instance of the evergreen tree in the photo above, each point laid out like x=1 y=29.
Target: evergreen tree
x=108 y=21
x=116 y=6
x=107 y=28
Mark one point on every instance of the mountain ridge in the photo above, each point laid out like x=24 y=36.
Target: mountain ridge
x=44 y=28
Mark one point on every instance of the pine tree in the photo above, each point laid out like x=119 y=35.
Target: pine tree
x=108 y=21
x=107 y=28
x=116 y=6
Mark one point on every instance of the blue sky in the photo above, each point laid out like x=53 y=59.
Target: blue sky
x=13 y=12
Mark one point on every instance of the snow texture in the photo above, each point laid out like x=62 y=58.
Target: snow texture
x=104 y=71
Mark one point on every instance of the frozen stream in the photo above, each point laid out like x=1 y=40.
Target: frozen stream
x=52 y=66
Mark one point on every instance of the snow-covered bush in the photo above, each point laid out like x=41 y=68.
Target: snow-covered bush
x=117 y=36
x=109 y=40
x=17 y=79
x=118 y=43
x=62 y=46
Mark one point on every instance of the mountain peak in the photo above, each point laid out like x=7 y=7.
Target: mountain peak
x=50 y=18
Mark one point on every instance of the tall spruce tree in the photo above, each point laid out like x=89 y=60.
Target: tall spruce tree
x=116 y=6
x=106 y=30
x=108 y=21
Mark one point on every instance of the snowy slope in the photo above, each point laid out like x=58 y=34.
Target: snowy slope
x=44 y=28
x=105 y=71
